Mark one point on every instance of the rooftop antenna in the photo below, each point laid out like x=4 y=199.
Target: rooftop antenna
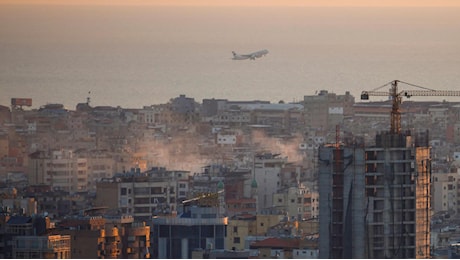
x=88 y=99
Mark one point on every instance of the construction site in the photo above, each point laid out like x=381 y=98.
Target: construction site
x=375 y=200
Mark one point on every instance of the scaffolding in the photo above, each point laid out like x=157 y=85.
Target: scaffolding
x=380 y=206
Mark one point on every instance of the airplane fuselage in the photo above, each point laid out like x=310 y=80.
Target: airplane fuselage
x=250 y=56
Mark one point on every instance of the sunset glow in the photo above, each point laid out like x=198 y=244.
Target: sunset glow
x=374 y=3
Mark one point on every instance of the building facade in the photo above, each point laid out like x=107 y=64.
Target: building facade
x=47 y=247
x=267 y=170
x=324 y=110
x=143 y=195
x=445 y=187
x=375 y=201
x=177 y=237
x=61 y=169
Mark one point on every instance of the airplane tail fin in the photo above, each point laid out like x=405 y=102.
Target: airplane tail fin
x=234 y=53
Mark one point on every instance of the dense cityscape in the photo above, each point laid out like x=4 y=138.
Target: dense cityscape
x=329 y=176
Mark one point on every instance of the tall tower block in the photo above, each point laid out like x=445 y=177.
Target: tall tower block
x=375 y=201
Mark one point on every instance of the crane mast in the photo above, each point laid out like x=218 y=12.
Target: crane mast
x=396 y=96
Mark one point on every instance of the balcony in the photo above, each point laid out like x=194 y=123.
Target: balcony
x=138 y=231
x=111 y=232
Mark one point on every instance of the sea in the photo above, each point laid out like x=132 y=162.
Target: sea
x=136 y=56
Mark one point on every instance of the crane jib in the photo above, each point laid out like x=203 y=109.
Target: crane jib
x=396 y=97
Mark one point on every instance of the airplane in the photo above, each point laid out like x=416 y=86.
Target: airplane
x=251 y=56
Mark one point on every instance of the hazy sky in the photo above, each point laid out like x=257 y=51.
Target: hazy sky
x=246 y=2
x=140 y=55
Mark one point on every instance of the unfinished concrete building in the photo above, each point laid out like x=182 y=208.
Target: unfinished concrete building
x=375 y=201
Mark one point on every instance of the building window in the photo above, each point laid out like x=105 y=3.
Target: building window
x=235 y=229
x=236 y=240
x=123 y=191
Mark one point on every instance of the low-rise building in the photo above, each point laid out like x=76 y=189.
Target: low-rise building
x=238 y=229
x=13 y=228
x=47 y=247
x=275 y=247
x=113 y=236
x=178 y=237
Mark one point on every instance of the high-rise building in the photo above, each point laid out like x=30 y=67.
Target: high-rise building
x=375 y=201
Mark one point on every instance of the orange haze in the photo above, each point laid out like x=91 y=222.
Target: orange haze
x=244 y=2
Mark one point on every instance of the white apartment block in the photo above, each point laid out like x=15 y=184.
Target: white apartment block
x=143 y=195
x=445 y=186
x=224 y=139
x=267 y=175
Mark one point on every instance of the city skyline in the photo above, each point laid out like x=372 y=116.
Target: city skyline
x=243 y=165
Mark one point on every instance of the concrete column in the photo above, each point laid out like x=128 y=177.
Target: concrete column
x=184 y=248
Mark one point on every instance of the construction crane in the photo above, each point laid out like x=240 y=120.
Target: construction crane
x=204 y=199
x=396 y=96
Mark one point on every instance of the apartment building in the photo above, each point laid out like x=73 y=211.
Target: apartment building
x=375 y=201
x=267 y=169
x=295 y=202
x=100 y=165
x=61 y=169
x=198 y=228
x=445 y=188
x=325 y=110
x=282 y=118
x=108 y=236
x=244 y=229
x=46 y=247
x=25 y=237
x=143 y=195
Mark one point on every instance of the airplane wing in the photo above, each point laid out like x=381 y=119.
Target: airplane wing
x=258 y=54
